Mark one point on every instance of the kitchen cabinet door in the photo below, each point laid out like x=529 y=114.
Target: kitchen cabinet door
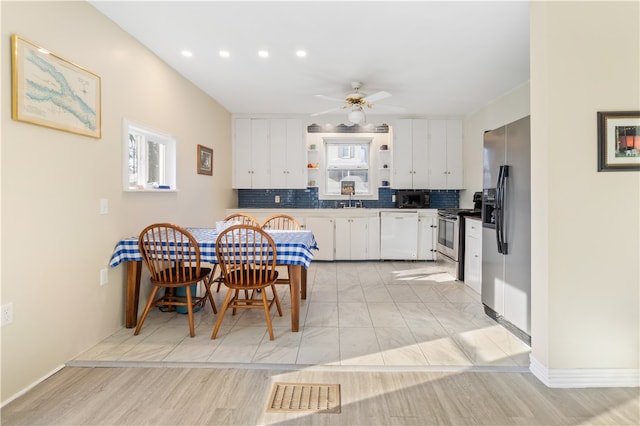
x=352 y=238
x=445 y=154
x=410 y=149
x=473 y=254
x=427 y=237
x=323 y=231
x=287 y=154
x=250 y=154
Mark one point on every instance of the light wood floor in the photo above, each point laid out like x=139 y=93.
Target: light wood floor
x=194 y=396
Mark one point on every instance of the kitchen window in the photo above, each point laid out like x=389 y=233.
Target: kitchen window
x=347 y=160
x=150 y=159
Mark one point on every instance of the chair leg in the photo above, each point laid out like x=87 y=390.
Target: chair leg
x=223 y=309
x=276 y=299
x=267 y=314
x=147 y=308
x=213 y=277
x=192 y=331
x=207 y=286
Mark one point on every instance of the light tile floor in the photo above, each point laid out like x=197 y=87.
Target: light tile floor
x=366 y=314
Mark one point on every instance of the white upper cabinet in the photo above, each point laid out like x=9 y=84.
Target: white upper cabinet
x=250 y=153
x=427 y=154
x=268 y=153
x=445 y=154
x=410 y=149
x=288 y=150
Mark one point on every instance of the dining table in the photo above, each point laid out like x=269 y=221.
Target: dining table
x=293 y=250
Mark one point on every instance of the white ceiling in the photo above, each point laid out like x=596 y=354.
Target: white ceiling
x=445 y=58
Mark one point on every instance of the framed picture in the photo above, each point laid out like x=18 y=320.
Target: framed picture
x=205 y=160
x=618 y=140
x=347 y=187
x=53 y=92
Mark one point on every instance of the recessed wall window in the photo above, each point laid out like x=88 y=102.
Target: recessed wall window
x=150 y=159
x=347 y=160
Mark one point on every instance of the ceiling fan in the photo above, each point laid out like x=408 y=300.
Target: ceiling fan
x=356 y=102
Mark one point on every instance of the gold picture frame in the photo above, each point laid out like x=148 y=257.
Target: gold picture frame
x=50 y=91
x=205 y=160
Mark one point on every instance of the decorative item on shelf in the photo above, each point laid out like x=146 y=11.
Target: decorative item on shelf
x=385 y=183
x=384 y=147
x=312 y=166
x=385 y=166
x=343 y=128
x=312 y=147
x=312 y=183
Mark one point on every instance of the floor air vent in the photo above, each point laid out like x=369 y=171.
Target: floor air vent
x=304 y=397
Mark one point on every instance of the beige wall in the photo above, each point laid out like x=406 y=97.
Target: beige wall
x=506 y=109
x=54 y=239
x=586 y=224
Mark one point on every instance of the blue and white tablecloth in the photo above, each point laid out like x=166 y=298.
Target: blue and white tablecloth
x=293 y=247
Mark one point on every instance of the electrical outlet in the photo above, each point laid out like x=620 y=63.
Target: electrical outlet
x=393 y=198
x=7 y=314
x=104 y=206
x=277 y=199
x=104 y=276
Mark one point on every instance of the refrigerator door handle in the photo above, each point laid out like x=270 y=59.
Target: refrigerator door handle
x=500 y=226
x=497 y=209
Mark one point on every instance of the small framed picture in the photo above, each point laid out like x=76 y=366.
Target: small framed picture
x=618 y=140
x=205 y=160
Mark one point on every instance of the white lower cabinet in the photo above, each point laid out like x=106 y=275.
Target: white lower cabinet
x=473 y=254
x=343 y=234
x=323 y=231
x=427 y=236
x=352 y=238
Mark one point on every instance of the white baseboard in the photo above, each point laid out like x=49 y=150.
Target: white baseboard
x=32 y=385
x=585 y=377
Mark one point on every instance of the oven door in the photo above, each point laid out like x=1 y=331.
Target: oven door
x=448 y=237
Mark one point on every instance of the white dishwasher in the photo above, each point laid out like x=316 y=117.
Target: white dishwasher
x=399 y=235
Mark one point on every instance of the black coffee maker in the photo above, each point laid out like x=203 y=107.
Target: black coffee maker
x=477 y=201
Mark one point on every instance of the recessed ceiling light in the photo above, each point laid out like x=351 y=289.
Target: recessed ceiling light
x=224 y=53
x=263 y=53
x=187 y=53
x=301 y=53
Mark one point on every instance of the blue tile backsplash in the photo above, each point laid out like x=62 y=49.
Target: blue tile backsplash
x=308 y=199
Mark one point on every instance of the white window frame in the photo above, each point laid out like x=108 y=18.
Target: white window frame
x=372 y=175
x=168 y=160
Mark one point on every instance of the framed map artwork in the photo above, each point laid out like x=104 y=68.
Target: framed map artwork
x=53 y=92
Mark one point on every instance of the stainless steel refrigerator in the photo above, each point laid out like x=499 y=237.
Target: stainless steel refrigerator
x=506 y=226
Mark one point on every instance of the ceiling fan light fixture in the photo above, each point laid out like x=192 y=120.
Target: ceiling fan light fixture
x=356 y=115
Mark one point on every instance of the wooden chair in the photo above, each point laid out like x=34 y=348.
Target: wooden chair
x=242 y=219
x=282 y=222
x=172 y=256
x=247 y=258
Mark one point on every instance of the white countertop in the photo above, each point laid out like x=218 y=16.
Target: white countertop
x=343 y=212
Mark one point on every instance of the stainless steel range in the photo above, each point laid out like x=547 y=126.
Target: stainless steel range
x=450 y=245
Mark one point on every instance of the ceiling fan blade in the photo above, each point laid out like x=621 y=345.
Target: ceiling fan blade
x=377 y=96
x=329 y=98
x=325 y=112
